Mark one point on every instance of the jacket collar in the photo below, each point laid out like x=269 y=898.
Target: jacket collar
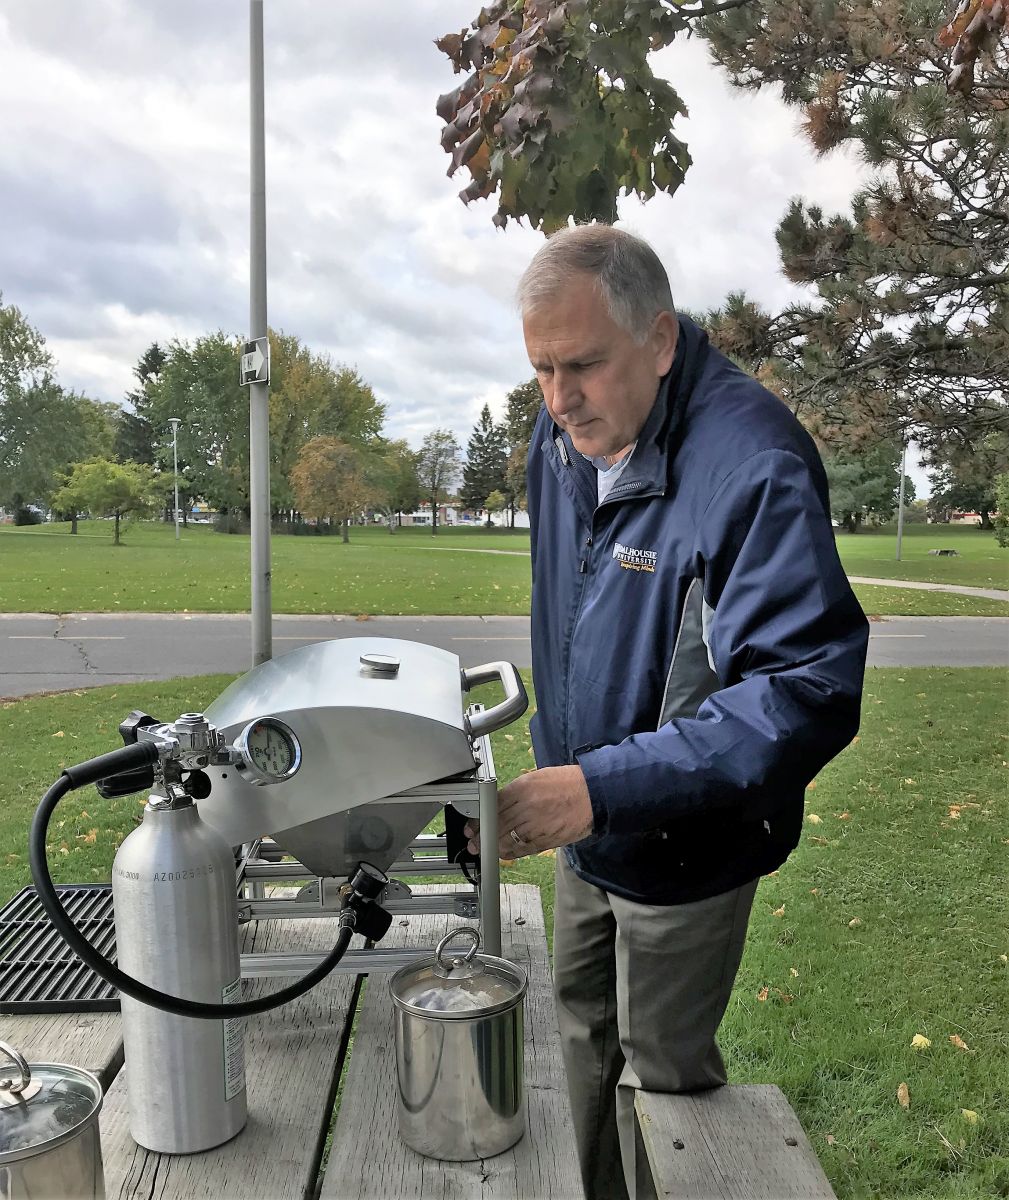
x=648 y=470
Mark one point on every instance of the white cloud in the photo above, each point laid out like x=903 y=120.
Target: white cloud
x=124 y=173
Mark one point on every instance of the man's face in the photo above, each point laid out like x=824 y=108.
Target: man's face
x=598 y=383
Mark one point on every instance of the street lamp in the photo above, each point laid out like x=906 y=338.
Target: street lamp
x=174 y=422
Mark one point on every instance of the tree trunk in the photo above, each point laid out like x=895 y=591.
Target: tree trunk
x=345 y=530
x=434 y=514
x=115 y=540
x=73 y=523
x=985 y=518
x=858 y=523
x=848 y=523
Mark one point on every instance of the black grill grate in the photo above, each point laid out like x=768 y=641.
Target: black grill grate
x=39 y=973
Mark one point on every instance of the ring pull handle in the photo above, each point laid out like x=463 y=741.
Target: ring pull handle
x=17 y=1058
x=463 y=930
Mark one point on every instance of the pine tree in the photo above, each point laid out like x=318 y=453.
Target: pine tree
x=523 y=407
x=486 y=462
x=907 y=325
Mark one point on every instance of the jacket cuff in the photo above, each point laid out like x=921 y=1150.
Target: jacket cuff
x=594 y=765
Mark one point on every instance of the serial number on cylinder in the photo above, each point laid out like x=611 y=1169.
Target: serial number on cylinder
x=168 y=876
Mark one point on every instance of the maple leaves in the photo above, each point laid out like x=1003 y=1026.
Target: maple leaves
x=972 y=31
x=560 y=111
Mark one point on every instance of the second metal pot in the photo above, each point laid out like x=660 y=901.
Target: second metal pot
x=459 y=1049
x=49 y=1142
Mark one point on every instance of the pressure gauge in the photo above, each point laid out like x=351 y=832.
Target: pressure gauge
x=268 y=751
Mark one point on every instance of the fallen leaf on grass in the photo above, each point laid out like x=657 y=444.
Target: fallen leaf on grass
x=845 y=816
x=820 y=841
x=813 y=819
x=814 y=891
x=811 y=785
x=762 y=994
x=793 y=972
x=59 y=733
x=969 y=1115
x=958 y=1041
x=910 y=781
x=954 y=812
x=854 y=922
x=903 y=1096
x=829 y=1139
x=779 y=912
x=920 y=1042
x=1003 y=958
x=89 y=838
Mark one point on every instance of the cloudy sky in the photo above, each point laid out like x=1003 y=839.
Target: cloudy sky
x=124 y=194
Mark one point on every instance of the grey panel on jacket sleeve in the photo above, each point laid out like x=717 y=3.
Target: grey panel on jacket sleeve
x=691 y=679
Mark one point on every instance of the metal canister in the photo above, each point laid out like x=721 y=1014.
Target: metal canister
x=49 y=1139
x=173 y=886
x=459 y=1049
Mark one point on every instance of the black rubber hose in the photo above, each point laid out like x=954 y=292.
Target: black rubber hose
x=129 y=758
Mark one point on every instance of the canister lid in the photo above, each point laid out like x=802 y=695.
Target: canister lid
x=42 y=1105
x=458 y=986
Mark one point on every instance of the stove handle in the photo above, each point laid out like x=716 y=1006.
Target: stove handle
x=511 y=707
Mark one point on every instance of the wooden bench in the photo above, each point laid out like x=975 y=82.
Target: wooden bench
x=295 y=1061
x=741 y=1142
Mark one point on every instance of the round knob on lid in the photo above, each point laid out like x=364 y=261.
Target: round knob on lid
x=384 y=664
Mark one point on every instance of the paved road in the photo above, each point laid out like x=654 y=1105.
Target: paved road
x=41 y=652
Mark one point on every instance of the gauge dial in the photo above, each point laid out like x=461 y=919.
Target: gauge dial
x=270 y=752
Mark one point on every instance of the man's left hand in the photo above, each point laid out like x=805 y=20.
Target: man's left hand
x=539 y=811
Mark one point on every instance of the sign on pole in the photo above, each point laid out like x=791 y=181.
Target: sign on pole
x=256 y=361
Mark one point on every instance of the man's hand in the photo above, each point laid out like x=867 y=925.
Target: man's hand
x=540 y=810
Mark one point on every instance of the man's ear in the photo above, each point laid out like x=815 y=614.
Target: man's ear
x=665 y=333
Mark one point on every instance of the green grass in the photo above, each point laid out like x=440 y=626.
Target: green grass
x=980 y=561
x=905 y=602
x=406 y=573
x=46 y=569
x=895 y=919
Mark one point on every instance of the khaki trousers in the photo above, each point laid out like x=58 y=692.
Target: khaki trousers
x=640 y=991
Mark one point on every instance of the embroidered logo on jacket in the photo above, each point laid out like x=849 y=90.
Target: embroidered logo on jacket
x=632 y=559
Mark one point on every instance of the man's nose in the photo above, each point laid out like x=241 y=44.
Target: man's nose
x=566 y=391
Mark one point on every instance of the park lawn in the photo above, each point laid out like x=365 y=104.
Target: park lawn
x=889 y=921
x=979 y=561
x=878 y=601
x=46 y=569
x=406 y=573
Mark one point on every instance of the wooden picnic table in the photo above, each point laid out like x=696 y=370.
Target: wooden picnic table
x=296 y=1058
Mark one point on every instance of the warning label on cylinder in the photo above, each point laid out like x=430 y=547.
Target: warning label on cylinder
x=234 y=1045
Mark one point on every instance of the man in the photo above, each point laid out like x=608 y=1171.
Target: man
x=697 y=657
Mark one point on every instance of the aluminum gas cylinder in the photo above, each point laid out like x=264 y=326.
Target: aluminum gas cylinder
x=173 y=886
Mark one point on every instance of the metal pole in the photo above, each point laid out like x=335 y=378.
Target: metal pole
x=174 y=422
x=900 y=500
x=259 y=393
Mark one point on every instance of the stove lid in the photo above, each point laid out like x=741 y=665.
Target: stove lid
x=372 y=716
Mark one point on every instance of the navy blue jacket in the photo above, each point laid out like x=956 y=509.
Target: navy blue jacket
x=697 y=648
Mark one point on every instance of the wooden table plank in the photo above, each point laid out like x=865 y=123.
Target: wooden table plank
x=93 y=1041
x=291 y=1058
x=741 y=1142
x=369 y=1162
